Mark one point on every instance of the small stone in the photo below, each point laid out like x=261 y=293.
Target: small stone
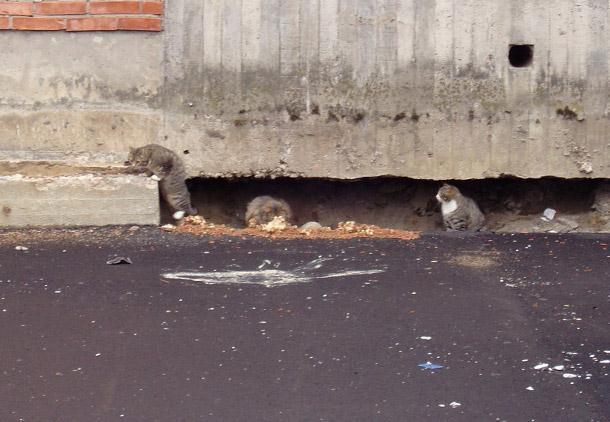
x=549 y=214
x=541 y=366
x=310 y=226
x=21 y=248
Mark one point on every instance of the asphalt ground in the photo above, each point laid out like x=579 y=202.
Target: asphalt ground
x=232 y=329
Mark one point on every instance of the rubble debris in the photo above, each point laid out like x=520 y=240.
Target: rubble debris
x=570 y=224
x=558 y=225
x=601 y=203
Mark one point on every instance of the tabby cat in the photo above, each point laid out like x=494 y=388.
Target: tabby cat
x=164 y=166
x=460 y=213
x=262 y=209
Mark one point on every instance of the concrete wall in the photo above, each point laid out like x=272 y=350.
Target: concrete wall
x=324 y=88
x=78 y=96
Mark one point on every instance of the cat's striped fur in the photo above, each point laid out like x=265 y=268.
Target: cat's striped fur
x=164 y=165
x=460 y=213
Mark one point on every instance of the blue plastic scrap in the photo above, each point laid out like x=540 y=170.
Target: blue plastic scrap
x=430 y=365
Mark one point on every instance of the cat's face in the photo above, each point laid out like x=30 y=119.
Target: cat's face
x=270 y=210
x=136 y=157
x=282 y=212
x=447 y=193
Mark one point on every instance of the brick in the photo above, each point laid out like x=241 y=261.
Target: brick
x=152 y=8
x=15 y=8
x=93 y=24
x=4 y=23
x=61 y=8
x=140 y=24
x=39 y=24
x=113 y=7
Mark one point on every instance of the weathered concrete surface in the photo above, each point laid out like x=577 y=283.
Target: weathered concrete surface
x=324 y=88
x=78 y=200
x=413 y=88
x=81 y=97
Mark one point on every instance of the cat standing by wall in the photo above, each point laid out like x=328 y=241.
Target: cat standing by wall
x=164 y=166
x=460 y=213
x=262 y=209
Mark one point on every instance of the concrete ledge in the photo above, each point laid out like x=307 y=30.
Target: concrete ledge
x=78 y=200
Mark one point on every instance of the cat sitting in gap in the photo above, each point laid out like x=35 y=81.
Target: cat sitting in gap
x=164 y=166
x=262 y=209
x=460 y=213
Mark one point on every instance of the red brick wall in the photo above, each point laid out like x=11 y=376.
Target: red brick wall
x=81 y=15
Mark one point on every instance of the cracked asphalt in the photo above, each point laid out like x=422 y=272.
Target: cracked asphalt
x=231 y=329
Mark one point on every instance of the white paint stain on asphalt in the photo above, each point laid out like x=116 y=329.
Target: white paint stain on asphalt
x=268 y=277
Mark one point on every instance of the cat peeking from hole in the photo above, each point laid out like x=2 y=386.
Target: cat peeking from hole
x=164 y=166
x=460 y=213
x=263 y=209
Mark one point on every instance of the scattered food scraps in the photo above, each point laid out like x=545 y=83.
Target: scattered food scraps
x=558 y=367
x=541 y=366
x=278 y=224
x=570 y=375
x=119 y=260
x=455 y=404
x=345 y=230
x=430 y=365
x=425 y=338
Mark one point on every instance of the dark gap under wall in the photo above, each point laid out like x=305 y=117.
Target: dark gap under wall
x=510 y=204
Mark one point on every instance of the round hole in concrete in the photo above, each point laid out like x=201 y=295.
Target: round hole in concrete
x=186 y=152
x=520 y=55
